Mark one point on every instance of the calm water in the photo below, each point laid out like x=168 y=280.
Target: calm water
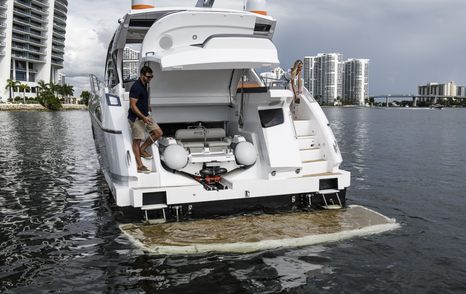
x=58 y=230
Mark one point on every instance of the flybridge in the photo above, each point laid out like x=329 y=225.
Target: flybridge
x=200 y=27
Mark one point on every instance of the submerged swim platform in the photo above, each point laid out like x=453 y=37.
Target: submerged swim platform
x=243 y=234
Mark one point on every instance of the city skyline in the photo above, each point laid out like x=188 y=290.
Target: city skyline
x=404 y=41
x=332 y=79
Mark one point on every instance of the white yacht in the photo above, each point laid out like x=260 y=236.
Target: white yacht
x=230 y=141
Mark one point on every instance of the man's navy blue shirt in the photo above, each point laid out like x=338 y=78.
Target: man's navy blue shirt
x=139 y=91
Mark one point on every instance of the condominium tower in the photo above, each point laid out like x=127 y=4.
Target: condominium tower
x=327 y=87
x=437 y=89
x=308 y=73
x=32 y=41
x=330 y=80
x=356 y=81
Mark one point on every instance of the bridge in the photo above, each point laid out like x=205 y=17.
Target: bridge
x=415 y=97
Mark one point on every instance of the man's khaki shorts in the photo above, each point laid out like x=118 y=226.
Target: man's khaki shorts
x=138 y=128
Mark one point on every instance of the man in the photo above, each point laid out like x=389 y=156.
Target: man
x=140 y=120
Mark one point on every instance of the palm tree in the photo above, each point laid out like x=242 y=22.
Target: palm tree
x=61 y=91
x=55 y=88
x=42 y=86
x=23 y=88
x=11 y=85
x=68 y=90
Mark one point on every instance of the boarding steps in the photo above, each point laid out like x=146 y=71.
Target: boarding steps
x=331 y=205
x=147 y=180
x=313 y=161
x=162 y=207
x=309 y=150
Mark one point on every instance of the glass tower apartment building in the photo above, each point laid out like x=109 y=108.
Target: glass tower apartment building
x=32 y=42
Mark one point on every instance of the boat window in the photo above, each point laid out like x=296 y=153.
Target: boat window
x=112 y=72
x=261 y=27
x=271 y=117
x=145 y=23
x=108 y=60
x=130 y=63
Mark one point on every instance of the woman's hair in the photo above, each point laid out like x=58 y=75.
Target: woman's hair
x=294 y=70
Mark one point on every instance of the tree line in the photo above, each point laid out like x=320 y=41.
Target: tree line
x=50 y=95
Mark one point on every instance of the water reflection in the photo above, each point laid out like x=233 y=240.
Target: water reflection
x=351 y=130
x=58 y=231
x=49 y=203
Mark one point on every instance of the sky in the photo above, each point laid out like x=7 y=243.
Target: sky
x=408 y=42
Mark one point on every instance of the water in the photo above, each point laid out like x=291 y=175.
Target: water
x=58 y=231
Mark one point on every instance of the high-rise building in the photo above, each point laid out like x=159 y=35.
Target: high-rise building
x=61 y=79
x=356 y=81
x=32 y=41
x=330 y=80
x=435 y=89
x=130 y=63
x=327 y=86
x=461 y=91
x=308 y=73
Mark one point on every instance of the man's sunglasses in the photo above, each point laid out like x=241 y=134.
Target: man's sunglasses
x=149 y=77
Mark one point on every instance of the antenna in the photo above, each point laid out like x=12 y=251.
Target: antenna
x=205 y=3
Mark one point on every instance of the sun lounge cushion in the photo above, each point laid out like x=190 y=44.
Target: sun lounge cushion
x=198 y=134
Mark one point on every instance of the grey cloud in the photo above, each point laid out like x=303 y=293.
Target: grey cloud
x=408 y=42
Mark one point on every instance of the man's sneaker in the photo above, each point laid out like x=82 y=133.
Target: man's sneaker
x=146 y=154
x=143 y=169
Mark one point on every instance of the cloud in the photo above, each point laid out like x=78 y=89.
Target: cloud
x=408 y=42
x=90 y=27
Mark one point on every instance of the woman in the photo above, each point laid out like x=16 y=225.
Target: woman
x=296 y=81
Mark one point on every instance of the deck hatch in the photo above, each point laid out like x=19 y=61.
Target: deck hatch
x=271 y=117
x=154 y=198
x=328 y=184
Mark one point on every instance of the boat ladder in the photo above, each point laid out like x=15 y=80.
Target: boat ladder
x=162 y=207
x=331 y=205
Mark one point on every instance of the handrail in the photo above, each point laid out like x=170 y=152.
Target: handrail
x=307 y=95
x=95 y=84
x=334 y=155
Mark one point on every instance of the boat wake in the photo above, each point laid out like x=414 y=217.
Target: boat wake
x=251 y=233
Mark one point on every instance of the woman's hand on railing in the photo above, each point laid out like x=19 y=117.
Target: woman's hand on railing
x=297 y=98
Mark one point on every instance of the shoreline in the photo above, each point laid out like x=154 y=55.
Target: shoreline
x=38 y=107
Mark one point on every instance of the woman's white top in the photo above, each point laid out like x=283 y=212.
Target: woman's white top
x=295 y=80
